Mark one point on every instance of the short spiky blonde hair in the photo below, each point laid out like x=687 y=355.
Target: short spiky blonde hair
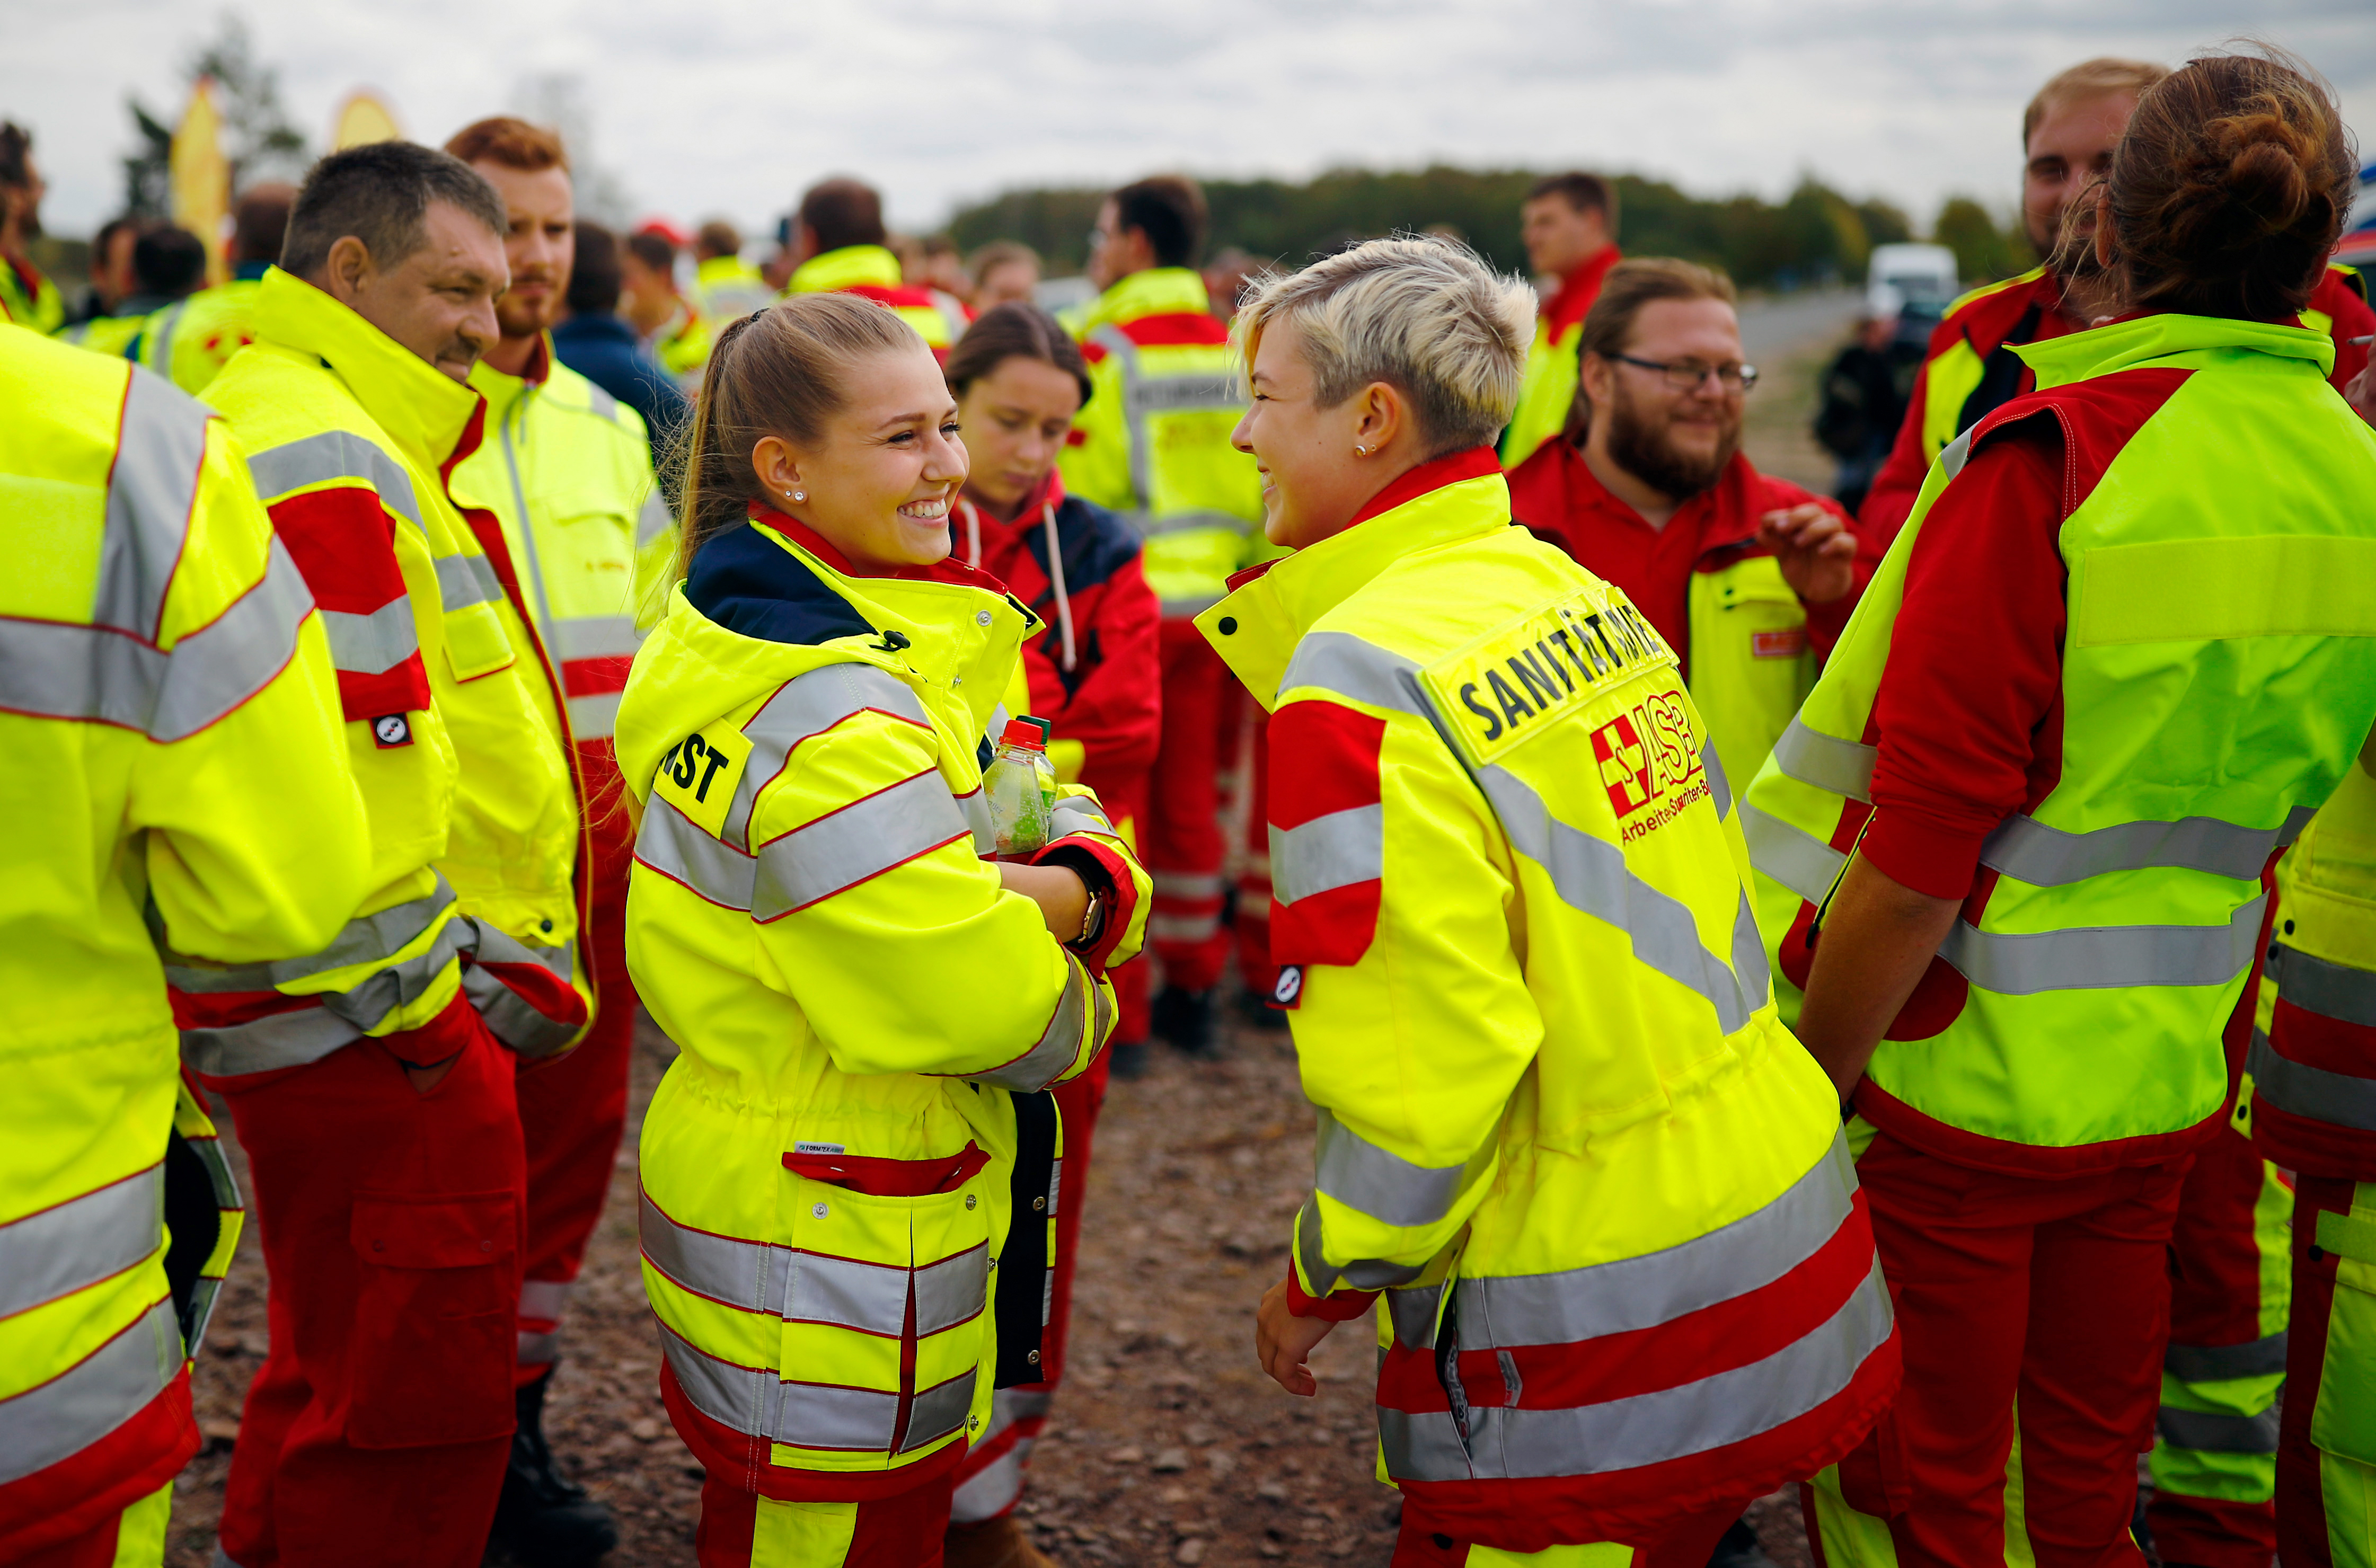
x=1423 y=314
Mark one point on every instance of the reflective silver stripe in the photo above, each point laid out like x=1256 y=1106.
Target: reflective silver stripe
x=2100 y=958
x=2201 y=1432
x=1842 y=767
x=1645 y=1429
x=1059 y=1045
x=160 y=354
x=277 y=1039
x=592 y=718
x=160 y=448
x=974 y=806
x=1075 y=814
x=464 y=580
x=848 y=1293
x=668 y=843
x=1181 y=928
x=595 y=637
x=1344 y=666
x=332 y=456
x=1590 y=875
x=2218 y=1363
x=71 y=1245
x=856 y=843
x=1335 y=850
x=807 y=1286
x=752 y=1276
x=1499 y=1311
x=995 y=1488
x=509 y=1016
x=1721 y=787
x=810 y=1415
x=1185 y=884
x=1789 y=854
x=2026 y=848
x=2313 y=1093
x=373 y=644
x=1414 y=1312
x=537 y=1349
x=376 y=937
x=1378 y=1182
x=809 y=704
x=2330 y=989
x=53 y=670
x=1952 y=456
x=953 y=1291
x=546 y=1299
x=83 y=1404
x=653 y=520
x=1361 y=1273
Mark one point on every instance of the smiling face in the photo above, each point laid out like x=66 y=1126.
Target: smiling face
x=439 y=301
x=2073 y=145
x=1314 y=481
x=879 y=481
x=1016 y=420
x=1677 y=442
x=539 y=246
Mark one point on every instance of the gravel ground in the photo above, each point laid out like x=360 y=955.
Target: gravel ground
x=1167 y=1444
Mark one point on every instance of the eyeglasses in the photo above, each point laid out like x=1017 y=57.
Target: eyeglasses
x=1687 y=375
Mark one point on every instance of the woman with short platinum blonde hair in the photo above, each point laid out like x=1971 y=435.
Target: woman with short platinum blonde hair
x=1560 y=1127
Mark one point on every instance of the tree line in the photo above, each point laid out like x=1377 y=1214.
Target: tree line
x=1814 y=235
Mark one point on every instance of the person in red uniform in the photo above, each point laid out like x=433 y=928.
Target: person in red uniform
x=1097 y=674
x=1568 y=223
x=2068 y=132
x=1649 y=488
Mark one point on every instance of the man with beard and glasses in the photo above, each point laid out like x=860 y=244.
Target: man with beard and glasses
x=1748 y=576
x=565 y=473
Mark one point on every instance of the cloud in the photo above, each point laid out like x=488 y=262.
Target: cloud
x=734 y=106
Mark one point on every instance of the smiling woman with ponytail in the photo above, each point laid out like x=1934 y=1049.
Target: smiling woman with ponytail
x=844 y=1217
x=2123 y=649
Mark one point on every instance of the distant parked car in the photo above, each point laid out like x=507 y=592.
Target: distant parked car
x=1915 y=283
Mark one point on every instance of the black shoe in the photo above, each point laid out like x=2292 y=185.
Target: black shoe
x=1739 y=1549
x=1129 y=1061
x=544 y=1519
x=1185 y=1018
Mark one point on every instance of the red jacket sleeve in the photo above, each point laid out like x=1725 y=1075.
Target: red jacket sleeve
x=2351 y=318
x=1975 y=667
x=1117 y=712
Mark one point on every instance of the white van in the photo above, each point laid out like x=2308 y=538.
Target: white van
x=1910 y=280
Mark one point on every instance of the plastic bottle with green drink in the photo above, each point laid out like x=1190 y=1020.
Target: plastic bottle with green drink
x=1020 y=786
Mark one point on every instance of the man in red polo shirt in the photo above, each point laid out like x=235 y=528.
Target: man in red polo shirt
x=1568 y=223
x=1749 y=577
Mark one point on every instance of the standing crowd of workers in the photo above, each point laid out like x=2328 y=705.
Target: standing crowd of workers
x=1880 y=1003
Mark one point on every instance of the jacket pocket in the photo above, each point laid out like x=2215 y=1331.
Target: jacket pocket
x=476 y=643
x=435 y=1331
x=2343 y=1422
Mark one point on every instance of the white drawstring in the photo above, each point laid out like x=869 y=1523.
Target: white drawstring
x=1056 y=580
x=973 y=534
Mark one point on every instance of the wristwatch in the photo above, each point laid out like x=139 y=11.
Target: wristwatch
x=1093 y=920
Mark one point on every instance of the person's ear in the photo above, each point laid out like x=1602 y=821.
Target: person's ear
x=1597 y=379
x=779 y=467
x=347 y=268
x=2104 y=235
x=1381 y=417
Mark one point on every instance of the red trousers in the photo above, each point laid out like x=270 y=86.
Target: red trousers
x=2051 y=1291
x=2307 y=1520
x=741 y=1530
x=573 y=1109
x=1182 y=843
x=377 y=1429
x=989 y=1481
x=1687 y=1546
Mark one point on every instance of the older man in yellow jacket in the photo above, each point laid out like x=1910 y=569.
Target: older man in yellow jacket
x=169 y=722
x=372 y=1083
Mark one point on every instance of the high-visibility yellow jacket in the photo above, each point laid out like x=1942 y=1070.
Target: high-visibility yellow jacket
x=683 y=342
x=1153 y=441
x=872 y=273
x=826 y=1168
x=28 y=298
x=452 y=720
x=111 y=335
x=568 y=471
x=728 y=288
x=169 y=741
x=1559 y=1124
x=1554 y=361
x=193 y=339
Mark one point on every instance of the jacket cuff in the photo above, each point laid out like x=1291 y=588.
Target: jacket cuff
x=1107 y=870
x=1337 y=1306
x=1933 y=858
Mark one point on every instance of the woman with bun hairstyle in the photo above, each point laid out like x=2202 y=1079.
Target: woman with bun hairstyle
x=1095 y=672
x=846 y=1172
x=2121 y=651
x=1628 y=1284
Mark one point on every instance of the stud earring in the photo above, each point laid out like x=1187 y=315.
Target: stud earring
x=797 y=494
x=1361 y=451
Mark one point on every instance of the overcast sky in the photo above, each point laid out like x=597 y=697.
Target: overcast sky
x=732 y=106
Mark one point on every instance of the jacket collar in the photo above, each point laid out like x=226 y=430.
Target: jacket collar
x=1159 y=291
x=2138 y=339
x=1270 y=608
x=840 y=269
x=503 y=390
x=1580 y=287
x=419 y=408
x=723 y=269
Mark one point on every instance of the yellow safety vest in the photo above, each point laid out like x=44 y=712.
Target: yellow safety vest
x=170 y=724
x=35 y=303
x=569 y=471
x=872 y=272
x=192 y=339
x=1152 y=440
x=728 y=288
x=1555 y=1102
x=452 y=727
x=109 y=334
x=811 y=919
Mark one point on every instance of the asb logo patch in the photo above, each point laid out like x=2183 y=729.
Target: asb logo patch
x=1289 y=991
x=1648 y=755
x=392 y=730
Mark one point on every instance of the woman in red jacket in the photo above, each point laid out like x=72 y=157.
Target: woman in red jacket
x=1019 y=379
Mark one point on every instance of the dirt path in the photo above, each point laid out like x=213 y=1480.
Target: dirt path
x=1167 y=1445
